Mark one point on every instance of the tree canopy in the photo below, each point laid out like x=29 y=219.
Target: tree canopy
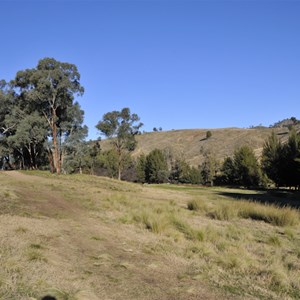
x=38 y=111
x=120 y=127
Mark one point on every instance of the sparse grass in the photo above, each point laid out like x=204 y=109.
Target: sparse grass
x=224 y=141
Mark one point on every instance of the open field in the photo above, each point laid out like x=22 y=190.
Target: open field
x=86 y=237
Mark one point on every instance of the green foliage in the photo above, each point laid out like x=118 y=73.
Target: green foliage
x=246 y=165
x=183 y=173
x=109 y=160
x=209 y=168
x=140 y=169
x=180 y=172
x=280 y=162
x=156 y=168
x=194 y=176
x=38 y=113
x=121 y=127
x=271 y=162
x=243 y=169
x=228 y=171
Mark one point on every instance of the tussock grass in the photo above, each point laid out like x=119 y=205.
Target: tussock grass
x=187 y=230
x=271 y=214
x=224 y=212
x=268 y=213
x=154 y=222
x=35 y=255
x=274 y=240
x=197 y=205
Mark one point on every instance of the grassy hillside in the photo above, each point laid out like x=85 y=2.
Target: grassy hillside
x=191 y=144
x=85 y=237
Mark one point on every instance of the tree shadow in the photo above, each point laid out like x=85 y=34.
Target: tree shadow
x=279 y=198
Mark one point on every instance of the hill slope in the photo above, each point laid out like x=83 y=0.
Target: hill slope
x=192 y=144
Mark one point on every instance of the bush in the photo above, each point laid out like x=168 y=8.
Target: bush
x=156 y=167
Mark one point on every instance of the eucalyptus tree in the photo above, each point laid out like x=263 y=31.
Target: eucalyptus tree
x=120 y=127
x=75 y=150
x=50 y=89
x=7 y=125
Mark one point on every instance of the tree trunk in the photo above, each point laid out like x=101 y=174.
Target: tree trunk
x=50 y=157
x=56 y=156
x=119 y=173
x=119 y=164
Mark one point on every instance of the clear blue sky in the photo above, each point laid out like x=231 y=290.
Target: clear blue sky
x=177 y=64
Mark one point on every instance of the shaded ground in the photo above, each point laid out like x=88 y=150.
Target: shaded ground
x=280 y=198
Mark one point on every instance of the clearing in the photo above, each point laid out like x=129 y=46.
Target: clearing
x=86 y=237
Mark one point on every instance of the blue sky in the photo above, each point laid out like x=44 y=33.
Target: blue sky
x=177 y=64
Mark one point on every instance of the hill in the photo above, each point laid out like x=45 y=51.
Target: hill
x=80 y=237
x=191 y=144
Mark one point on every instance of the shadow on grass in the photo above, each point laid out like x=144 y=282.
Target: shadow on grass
x=279 y=198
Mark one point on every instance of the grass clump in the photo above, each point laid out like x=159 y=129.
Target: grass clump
x=224 y=212
x=274 y=241
x=197 y=205
x=156 y=223
x=97 y=238
x=285 y=216
x=36 y=246
x=35 y=255
x=187 y=230
x=21 y=229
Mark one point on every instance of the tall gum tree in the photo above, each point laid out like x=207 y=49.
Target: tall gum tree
x=50 y=89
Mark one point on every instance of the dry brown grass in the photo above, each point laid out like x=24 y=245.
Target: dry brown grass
x=192 y=144
x=85 y=237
